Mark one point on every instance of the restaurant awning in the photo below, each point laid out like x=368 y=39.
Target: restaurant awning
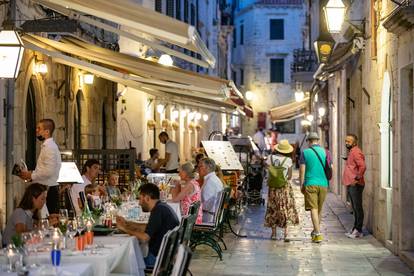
x=135 y=18
x=289 y=111
x=155 y=79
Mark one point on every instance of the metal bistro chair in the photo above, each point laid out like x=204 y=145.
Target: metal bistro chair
x=207 y=233
x=168 y=249
x=182 y=261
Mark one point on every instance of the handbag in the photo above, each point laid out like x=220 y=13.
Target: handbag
x=276 y=178
x=326 y=168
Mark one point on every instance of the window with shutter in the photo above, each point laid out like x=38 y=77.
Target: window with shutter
x=277 y=29
x=234 y=76
x=178 y=9
x=241 y=34
x=186 y=11
x=241 y=77
x=234 y=38
x=192 y=15
x=277 y=70
x=158 y=5
x=170 y=8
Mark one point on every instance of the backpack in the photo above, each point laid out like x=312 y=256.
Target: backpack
x=276 y=178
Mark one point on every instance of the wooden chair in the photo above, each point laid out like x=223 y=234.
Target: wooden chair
x=208 y=233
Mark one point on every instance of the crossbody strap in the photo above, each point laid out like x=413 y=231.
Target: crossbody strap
x=320 y=160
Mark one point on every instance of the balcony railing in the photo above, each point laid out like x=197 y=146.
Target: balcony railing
x=303 y=61
x=281 y=2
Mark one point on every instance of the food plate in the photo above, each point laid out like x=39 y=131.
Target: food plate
x=101 y=230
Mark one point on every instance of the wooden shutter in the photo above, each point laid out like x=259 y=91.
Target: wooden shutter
x=277 y=29
x=277 y=70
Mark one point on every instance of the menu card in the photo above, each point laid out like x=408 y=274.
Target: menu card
x=223 y=154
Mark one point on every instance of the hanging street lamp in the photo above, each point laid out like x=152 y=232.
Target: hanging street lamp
x=324 y=47
x=334 y=15
x=11 y=54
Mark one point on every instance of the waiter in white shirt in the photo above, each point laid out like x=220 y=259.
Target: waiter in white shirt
x=171 y=160
x=47 y=166
x=211 y=189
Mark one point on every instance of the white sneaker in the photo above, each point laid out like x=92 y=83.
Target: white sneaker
x=355 y=234
x=347 y=233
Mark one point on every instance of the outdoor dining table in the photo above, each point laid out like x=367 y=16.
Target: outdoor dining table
x=110 y=254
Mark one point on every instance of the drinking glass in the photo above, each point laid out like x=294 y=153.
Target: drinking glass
x=37 y=240
x=44 y=227
x=63 y=216
x=72 y=229
x=80 y=225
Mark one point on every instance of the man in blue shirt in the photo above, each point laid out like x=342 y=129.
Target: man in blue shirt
x=313 y=181
x=161 y=220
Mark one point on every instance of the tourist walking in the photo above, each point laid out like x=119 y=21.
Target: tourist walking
x=281 y=209
x=314 y=182
x=353 y=179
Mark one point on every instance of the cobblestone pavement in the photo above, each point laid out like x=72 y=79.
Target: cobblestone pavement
x=336 y=255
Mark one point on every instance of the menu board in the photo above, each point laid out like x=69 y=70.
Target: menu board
x=223 y=154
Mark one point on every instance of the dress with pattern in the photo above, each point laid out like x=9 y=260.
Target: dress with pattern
x=281 y=209
x=189 y=199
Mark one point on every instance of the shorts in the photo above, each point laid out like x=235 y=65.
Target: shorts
x=315 y=197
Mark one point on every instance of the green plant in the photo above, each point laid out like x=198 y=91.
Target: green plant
x=17 y=240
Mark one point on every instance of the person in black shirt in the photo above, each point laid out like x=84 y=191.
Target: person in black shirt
x=161 y=220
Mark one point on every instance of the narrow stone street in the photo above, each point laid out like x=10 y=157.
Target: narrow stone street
x=336 y=255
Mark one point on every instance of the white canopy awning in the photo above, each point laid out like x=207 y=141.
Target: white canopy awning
x=135 y=17
x=289 y=111
x=160 y=81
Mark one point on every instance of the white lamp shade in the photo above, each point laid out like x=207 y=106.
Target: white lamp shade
x=299 y=96
x=183 y=113
x=309 y=117
x=249 y=95
x=198 y=116
x=11 y=54
x=322 y=111
x=205 y=117
x=88 y=78
x=166 y=60
x=160 y=108
x=334 y=15
x=305 y=123
x=191 y=116
x=174 y=114
x=41 y=68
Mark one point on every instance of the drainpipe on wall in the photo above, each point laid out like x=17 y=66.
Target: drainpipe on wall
x=10 y=130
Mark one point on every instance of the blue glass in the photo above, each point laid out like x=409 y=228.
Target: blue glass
x=55 y=254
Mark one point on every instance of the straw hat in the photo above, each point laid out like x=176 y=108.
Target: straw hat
x=312 y=136
x=283 y=146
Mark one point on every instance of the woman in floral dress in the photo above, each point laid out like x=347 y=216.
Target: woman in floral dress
x=281 y=209
x=189 y=192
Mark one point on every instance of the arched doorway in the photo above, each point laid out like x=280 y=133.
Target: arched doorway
x=30 y=154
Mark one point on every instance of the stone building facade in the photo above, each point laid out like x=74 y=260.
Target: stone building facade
x=263 y=40
x=371 y=95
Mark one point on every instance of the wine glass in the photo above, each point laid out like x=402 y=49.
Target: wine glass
x=80 y=225
x=72 y=229
x=63 y=216
x=44 y=227
x=37 y=239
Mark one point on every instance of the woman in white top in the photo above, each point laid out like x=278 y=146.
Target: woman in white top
x=281 y=208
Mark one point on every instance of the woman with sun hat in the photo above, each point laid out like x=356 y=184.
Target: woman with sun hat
x=281 y=209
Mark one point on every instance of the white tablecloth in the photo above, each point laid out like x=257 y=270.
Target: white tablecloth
x=120 y=254
x=63 y=270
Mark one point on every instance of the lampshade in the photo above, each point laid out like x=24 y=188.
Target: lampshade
x=88 y=78
x=166 y=60
x=321 y=111
x=40 y=68
x=160 y=108
x=334 y=15
x=249 y=95
x=11 y=53
x=205 y=117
